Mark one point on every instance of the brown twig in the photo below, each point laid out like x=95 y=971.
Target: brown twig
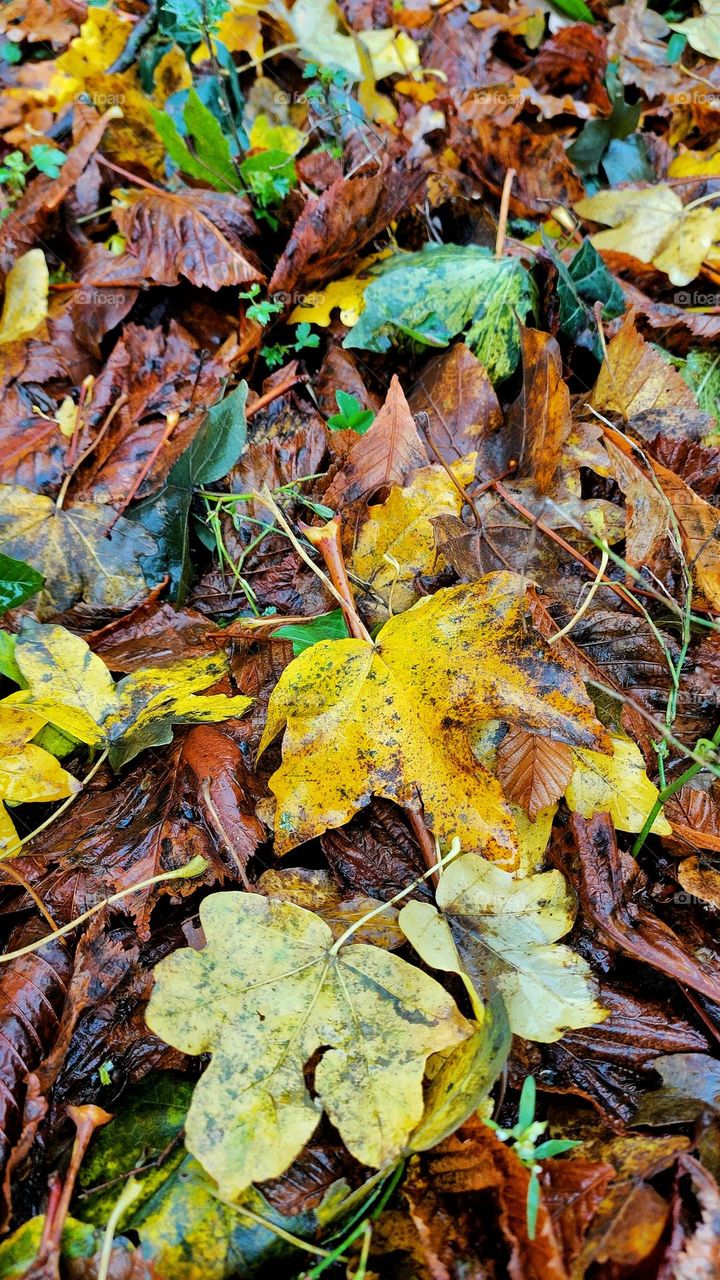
x=273 y=394
x=20 y=879
x=503 y=215
x=426 y=840
x=326 y=539
x=172 y=421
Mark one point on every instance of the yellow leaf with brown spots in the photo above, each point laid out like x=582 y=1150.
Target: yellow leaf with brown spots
x=396 y=544
x=376 y=1017
x=393 y=718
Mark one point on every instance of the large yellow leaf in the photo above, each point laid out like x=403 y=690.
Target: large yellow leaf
x=506 y=933
x=392 y=719
x=267 y=991
x=25 y=303
x=397 y=541
x=27 y=773
x=652 y=224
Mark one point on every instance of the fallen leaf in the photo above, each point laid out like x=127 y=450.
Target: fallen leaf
x=18 y=582
x=543 y=407
x=616 y=784
x=392 y=719
x=66 y=683
x=388 y=453
x=336 y=225
x=25 y=303
x=544 y=173
x=441 y=292
x=369 y=1080
x=506 y=931
x=533 y=771
x=27 y=772
x=72 y=551
x=457 y=395
x=636 y=381
x=654 y=223
x=702 y=33
x=396 y=544
x=195 y=234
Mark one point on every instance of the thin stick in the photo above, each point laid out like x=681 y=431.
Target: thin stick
x=326 y=539
x=586 y=602
x=195 y=867
x=273 y=394
x=172 y=421
x=15 y=875
x=128 y=1196
x=503 y=217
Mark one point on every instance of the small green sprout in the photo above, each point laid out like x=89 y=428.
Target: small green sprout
x=522 y=1137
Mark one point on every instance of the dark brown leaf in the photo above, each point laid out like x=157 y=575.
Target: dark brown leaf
x=457 y=395
x=543 y=407
x=196 y=234
x=545 y=176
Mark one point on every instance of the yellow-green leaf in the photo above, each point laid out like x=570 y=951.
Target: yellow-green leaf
x=267 y=991
x=653 y=225
x=392 y=719
x=506 y=931
x=616 y=784
x=152 y=700
x=26 y=296
x=66 y=682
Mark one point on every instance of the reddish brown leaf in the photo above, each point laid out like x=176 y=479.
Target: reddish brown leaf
x=602 y=876
x=32 y=994
x=195 y=234
x=335 y=226
x=457 y=395
x=533 y=771
x=387 y=454
x=574 y=59
x=636 y=380
x=544 y=175
x=572 y=1190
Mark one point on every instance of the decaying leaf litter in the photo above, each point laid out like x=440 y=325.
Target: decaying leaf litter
x=359 y=569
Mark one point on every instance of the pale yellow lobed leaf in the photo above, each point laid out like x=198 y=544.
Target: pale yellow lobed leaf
x=653 y=225
x=393 y=719
x=262 y=996
x=506 y=932
x=66 y=682
x=703 y=33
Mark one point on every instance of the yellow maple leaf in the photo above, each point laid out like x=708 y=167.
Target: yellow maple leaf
x=25 y=304
x=377 y=1017
x=616 y=784
x=393 y=718
x=347 y=294
x=27 y=773
x=696 y=164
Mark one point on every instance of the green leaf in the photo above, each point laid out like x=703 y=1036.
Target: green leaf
x=19 y=1251
x=352 y=416
x=211 y=160
x=526 y=1107
x=214 y=451
x=627 y=160
x=18 y=581
x=211 y=145
x=8 y=665
x=575 y=9
x=48 y=160
x=581 y=283
x=533 y=1204
x=330 y=626
x=588 y=149
x=555 y=1147
x=377 y=1018
x=445 y=290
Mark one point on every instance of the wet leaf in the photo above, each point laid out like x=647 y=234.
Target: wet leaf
x=505 y=930
x=195 y=234
x=533 y=771
x=616 y=784
x=27 y=772
x=391 y=719
x=433 y=296
x=369 y=1080
x=702 y=32
x=73 y=551
x=389 y=452
x=25 y=303
x=18 y=582
x=653 y=223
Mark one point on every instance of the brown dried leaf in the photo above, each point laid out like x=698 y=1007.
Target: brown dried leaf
x=389 y=453
x=458 y=397
x=334 y=227
x=195 y=234
x=543 y=407
x=533 y=771
x=635 y=380
x=544 y=175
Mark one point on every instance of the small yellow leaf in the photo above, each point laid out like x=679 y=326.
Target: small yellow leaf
x=397 y=541
x=266 y=136
x=25 y=304
x=27 y=773
x=377 y=1018
x=506 y=932
x=616 y=784
x=347 y=294
x=67 y=416
x=696 y=164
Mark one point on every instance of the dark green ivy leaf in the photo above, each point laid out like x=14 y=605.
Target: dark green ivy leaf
x=18 y=581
